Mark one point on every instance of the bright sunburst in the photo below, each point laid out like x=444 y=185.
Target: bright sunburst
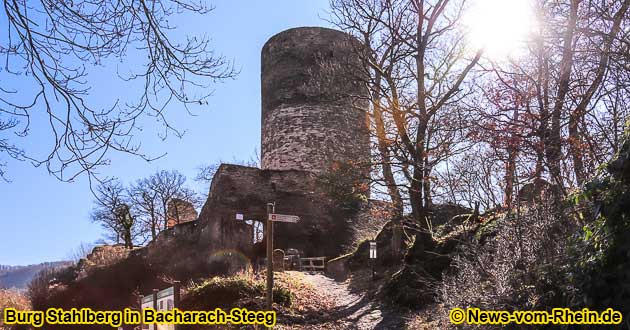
x=499 y=26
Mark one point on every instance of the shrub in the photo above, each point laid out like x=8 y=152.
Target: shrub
x=600 y=254
x=40 y=286
x=12 y=299
x=523 y=266
x=228 y=292
x=345 y=186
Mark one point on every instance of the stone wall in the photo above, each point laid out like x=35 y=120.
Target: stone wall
x=246 y=190
x=313 y=102
x=314 y=114
x=180 y=211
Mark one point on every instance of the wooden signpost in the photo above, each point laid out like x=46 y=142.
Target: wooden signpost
x=271 y=218
x=284 y=218
x=270 y=209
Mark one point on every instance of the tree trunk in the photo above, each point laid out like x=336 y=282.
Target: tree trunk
x=165 y=208
x=510 y=165
x=510 y=169
x=416 y=198
x=576 y=148
x=383 y=149
x=554 y=140
x=128 y=240
x=153 y=225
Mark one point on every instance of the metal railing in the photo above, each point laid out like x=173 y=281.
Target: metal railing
x=317 y=264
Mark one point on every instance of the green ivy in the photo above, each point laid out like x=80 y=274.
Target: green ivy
x=601 y=250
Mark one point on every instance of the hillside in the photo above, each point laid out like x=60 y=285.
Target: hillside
x=18 y=277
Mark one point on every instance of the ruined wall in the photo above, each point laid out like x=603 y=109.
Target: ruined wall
x=314 y=113
x=180 y=211
x=247 y=190
x=313 y=101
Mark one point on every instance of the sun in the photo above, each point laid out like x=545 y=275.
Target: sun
x=500 y=27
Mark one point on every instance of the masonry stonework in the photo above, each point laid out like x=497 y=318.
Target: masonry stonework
x=313 y=102
x=180 y=211
x=314 y=114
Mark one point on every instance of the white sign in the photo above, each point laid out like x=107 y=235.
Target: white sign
x=283 y=218
x=372 y=250
x=239 y=216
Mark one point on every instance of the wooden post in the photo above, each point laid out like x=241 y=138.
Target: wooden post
x=372 y=265
x=155 y=292
x=176 y=299
x=270 y=209
x=140 y=308
x=176 y=294
x=155 y=305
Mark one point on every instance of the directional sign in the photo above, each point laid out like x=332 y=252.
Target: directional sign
x=283 y=218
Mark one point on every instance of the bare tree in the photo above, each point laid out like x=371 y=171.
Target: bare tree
x=567 y=89
x=113 y=213
x=466 y=180
x=151 y=197
x=577 y=51
x=147 y=206
x=206 y=172
x=81 y=252
x=50 y=46
x=418 y=66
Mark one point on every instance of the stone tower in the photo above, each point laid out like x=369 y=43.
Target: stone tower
x=313 y=101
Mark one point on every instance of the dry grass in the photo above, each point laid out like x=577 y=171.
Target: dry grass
x=426 y=319
x=296 y=300
x=517 y=267
x=12 y=299
x=307 y=299
x=102 y=256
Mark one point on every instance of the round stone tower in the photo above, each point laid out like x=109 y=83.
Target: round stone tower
x=314 y=103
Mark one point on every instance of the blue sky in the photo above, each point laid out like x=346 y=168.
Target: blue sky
x=43 y=219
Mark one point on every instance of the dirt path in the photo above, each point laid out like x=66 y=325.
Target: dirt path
x=351 y=310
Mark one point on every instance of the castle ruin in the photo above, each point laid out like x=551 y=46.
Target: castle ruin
x=314 y=115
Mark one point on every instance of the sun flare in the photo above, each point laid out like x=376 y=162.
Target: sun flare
x=500 y=27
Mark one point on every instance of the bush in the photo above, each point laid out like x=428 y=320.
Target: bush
x=345 y=186
x=228 y=292
x=221 y=292
x=523 y=266
x=12 y=299
x=40 y=286
x=600 y=254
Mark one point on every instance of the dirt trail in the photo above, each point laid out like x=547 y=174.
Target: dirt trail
x=351 y=310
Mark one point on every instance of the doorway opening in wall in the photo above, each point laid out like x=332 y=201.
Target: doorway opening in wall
x=258 y=234
x=258 y=230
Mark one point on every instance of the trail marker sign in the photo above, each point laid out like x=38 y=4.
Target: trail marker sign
x=372 y=250
x=271 y=218
x=372 y=257
x=283 y=218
